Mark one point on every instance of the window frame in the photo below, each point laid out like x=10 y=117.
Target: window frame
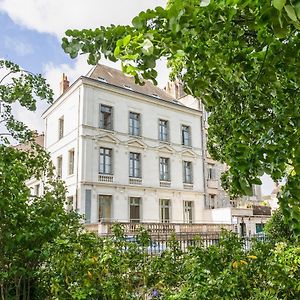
x=61 y=127
x=109 y=199
x=135 y=159
x=163 y=207
x=59 y=166
x=106 y=165
x=164 y=169
x=186 y=141
x=139 y=205
x=187 y=178
x=134 y=130
x=190 y=211
x=161 y=133
x=71 y=162
x=102 y=118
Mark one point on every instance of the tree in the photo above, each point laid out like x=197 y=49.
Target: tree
x=241 y=58
x=27 y=222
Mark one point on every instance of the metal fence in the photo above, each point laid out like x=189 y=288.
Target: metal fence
x=183 y=241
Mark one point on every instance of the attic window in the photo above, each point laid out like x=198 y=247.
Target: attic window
x=156 y=96
x=102 y=79
x=127 y=87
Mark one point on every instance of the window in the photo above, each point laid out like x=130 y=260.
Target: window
x=211 y=174
x=259 y=227
x=104 y=208
x=59 y=167
x=105 y=161
x=60 y=127
x=134 y=165
x=106 y=121
x=71 y=162
x=37 y=190
x=163 y=131
x=187 y=172
x=165 y=206
x=188 y=212
x=211 y=201
x=134 y=210
x=186 y=135
x=69 y=203
x=134 y=123
x=164 y=169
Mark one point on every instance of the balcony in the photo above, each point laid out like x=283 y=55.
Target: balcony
x=135 y=181
x=105 y=178
x=188 y=186
x=212 y=183
x=105 y=228
x=165 y=184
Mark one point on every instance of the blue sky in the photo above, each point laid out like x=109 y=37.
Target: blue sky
x=31 y=32
x=29 y=48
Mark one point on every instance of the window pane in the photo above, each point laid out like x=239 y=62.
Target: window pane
x=104 y=205
x=134 y=123
x=134 y=209
x=106 y=117
x=164 y=168
x=163 y=130
x=134 y=165
x=186 y=136
x=105 y=166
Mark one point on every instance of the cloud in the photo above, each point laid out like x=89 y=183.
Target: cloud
x=55 y=16
x=19 y=47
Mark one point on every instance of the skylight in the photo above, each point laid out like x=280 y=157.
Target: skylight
x=127 y=87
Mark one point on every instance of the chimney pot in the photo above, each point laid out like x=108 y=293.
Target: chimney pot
x=64 y=84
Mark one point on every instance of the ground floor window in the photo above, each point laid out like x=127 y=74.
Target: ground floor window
x=134 y=209
x=104 y=208
x=165 y=207
x=188 y=211
x=259 y=227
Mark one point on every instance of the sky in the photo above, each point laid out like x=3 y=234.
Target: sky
x=31 y=33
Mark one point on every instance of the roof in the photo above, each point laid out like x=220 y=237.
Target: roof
x=38 y=138
x=115 y=77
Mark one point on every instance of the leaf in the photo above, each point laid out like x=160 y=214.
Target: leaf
x=117 y=51
x=279 y=4
x=297 y=9
x=291 y=12
x=126 y=40
x=147 y=47
x=137 y=23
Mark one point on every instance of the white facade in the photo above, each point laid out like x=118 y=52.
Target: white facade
x=74 y=138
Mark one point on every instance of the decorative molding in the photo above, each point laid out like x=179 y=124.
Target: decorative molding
x=106 y=138
x=189 y=153
x=136 y=143
x=165 y=149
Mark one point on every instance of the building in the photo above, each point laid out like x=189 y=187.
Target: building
x=134 y=154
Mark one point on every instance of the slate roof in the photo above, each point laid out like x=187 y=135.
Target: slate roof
x=115 y=77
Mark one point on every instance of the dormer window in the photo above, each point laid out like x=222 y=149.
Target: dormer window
x=102 y=79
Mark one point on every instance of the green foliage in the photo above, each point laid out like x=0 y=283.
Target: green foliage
x=241 y=58
x=27 y=223
x=87 y=267
x=277 y=230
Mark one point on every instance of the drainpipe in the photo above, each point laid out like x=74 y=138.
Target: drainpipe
x=77 y=173
x=203 y=153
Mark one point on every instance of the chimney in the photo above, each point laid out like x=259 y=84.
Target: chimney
x=64 y=84
x=175 y=89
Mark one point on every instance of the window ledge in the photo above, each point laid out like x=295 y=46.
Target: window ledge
x=165 y=183
x=135 y=181
x=105 y=178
